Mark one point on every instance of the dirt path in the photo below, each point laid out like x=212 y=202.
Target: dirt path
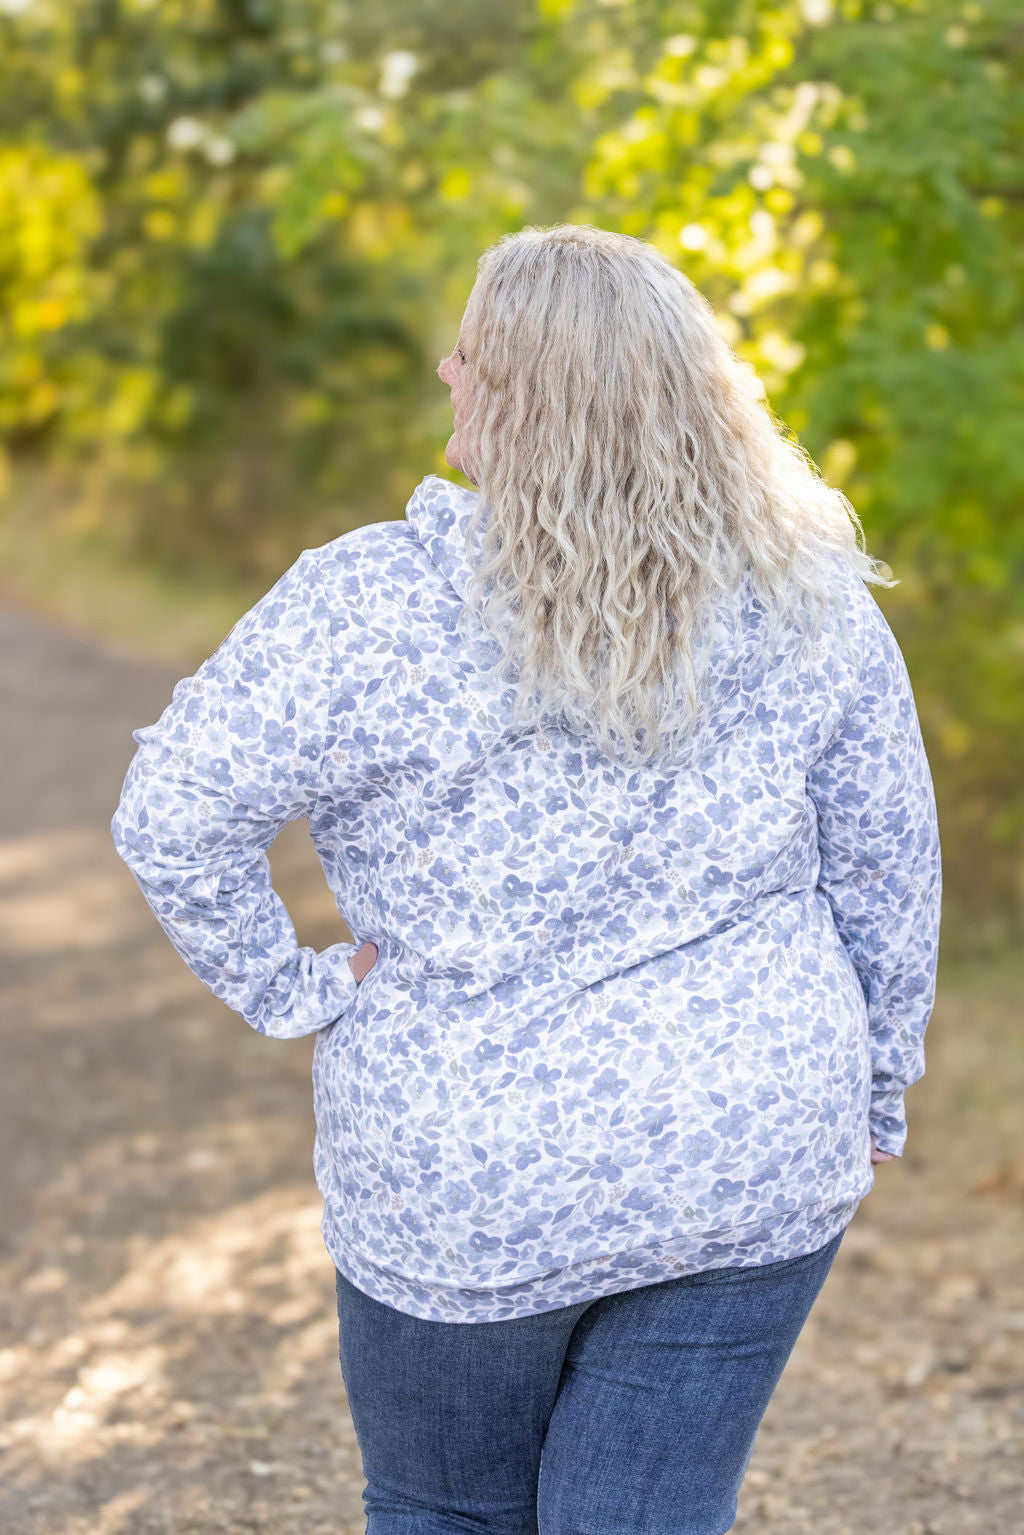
x=167 y=1329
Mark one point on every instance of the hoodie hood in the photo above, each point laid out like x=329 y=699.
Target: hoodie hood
x=738 y=662
x=438 y=513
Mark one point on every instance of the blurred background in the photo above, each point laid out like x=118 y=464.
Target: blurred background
x=236 y=236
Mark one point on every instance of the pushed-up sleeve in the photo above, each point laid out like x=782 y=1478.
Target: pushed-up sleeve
x=881 y=867
x=235 y=755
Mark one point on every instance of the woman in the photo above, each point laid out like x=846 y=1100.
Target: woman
x=614 y=769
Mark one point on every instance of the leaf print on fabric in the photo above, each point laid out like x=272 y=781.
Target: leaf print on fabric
x=625 y=1023
x=233 y=757
x=881 y=869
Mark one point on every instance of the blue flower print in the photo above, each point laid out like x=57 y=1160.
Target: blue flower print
x=481 y=1243
x=697 y=1148
x=608 y=1084
x=626 y=1022
x=492 y=1179
x=546 y=1076
x=245 y=722
x=734 y=1123
x=277 y=738
x=724 y=812
x=217 y=770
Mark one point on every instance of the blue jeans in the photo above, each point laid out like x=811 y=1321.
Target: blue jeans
x=633 y=1414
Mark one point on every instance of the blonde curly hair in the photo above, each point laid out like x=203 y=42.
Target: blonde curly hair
x=631 y=479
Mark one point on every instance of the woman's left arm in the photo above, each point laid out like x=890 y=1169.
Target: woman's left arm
x=236 y=754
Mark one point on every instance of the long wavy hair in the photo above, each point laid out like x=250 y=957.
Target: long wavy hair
x=632 y=479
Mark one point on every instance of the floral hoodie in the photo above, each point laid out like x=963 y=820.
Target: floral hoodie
x=625 y=1022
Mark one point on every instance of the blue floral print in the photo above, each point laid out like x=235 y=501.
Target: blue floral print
x=625 y=1023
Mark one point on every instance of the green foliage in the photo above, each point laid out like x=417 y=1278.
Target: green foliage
x=235 y=235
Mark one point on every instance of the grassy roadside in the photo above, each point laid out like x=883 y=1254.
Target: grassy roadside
x=64 y=566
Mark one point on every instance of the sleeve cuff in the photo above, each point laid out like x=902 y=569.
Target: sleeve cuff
x=311 y=995
x=887 y=1121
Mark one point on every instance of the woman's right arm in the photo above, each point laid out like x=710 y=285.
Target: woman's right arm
x=881 y=868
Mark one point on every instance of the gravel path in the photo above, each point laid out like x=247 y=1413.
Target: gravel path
x=167 y=1328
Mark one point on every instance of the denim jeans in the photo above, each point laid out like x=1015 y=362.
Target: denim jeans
x=633 y=1414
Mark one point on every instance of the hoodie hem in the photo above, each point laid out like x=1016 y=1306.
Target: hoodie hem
x=791 y=1234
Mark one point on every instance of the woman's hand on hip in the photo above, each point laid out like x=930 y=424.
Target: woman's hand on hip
x=880 y=1156
x=363 y=960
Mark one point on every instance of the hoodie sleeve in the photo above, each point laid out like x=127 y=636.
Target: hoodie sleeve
x=881 y=870
x=235 y=755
